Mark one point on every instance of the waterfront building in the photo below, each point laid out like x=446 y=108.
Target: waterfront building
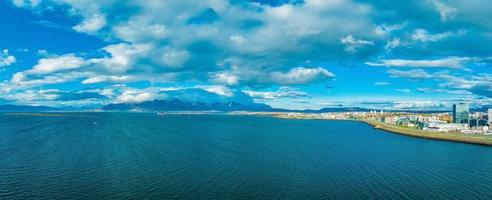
x=445 y=127
x=478 y=122
x=461 y=113
x=390 y=119
x=490 y=117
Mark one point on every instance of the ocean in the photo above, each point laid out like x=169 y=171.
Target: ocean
x=146 y=156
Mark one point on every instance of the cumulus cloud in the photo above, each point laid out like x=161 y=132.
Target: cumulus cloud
x=352 y=43
x=33 y=95
x=479 y=85
x=91 y=24
x=53 y=97
x=217 y=89
x=225 y=78
x=6 y=59
x=239 y=44
x=175 y=58
x=301 y=75
x=50 y=70
x=123 y=56
x=294 y=76
x=282 y=92
x=455 y=82
x=56 y=64
x=136 y=96
x=258 y=37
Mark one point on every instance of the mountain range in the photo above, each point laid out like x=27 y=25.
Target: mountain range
x=25 y=108
x=183 y=105
x=179 y=105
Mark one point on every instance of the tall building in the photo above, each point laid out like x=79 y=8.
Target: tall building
x=490 y=117
x=461 y=113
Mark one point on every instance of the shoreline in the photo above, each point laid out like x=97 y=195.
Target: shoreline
x=451 y=137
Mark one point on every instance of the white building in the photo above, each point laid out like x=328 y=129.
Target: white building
x=440 y=126
x=490 y=117
x=390 y=119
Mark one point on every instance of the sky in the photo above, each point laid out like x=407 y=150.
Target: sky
x=385 y=54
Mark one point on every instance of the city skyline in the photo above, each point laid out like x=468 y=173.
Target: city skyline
x=293 y=54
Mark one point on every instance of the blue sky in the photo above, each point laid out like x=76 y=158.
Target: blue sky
x=296 y=54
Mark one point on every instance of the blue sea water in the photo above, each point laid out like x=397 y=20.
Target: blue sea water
x=145 y=156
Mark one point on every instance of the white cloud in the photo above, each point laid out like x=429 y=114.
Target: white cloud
x=448 y=91
x=6 y=59
x=455 y=82
x=449 y=62
x=160 y=34
x=109 y=78
x=421 y=105
x=137 y=96
x=107 y=92
x=43 y=52
x=350 y=40
x=33 y=95
x=385 y=30
x=225 y=78
x=22 y=80
x=404 y=90
x=91 y=24
x=123 y=56
x=114 y=68
x=480 y=84
x=56 y=64
x=381 y=83
x=294 y=76
x=139 y=29
x=237 y=39
x=423 y=35
x=446 y=12
x=217 y=89
x=352 y=43
x=282 y=92
x=392 y=44
x=52 y=70
x=301 y=75
x=252 y=44
x=410 y=74
x=175 y=58
x=26 y=3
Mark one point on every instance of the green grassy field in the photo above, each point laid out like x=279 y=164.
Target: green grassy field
x=455 y=137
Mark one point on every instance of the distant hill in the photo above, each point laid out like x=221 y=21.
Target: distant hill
x=23 y=108
x=358 y=109
x=179 y=105
x=183 y=105
x=338 y=109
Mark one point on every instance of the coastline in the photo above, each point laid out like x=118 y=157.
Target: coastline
x=452 y=137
